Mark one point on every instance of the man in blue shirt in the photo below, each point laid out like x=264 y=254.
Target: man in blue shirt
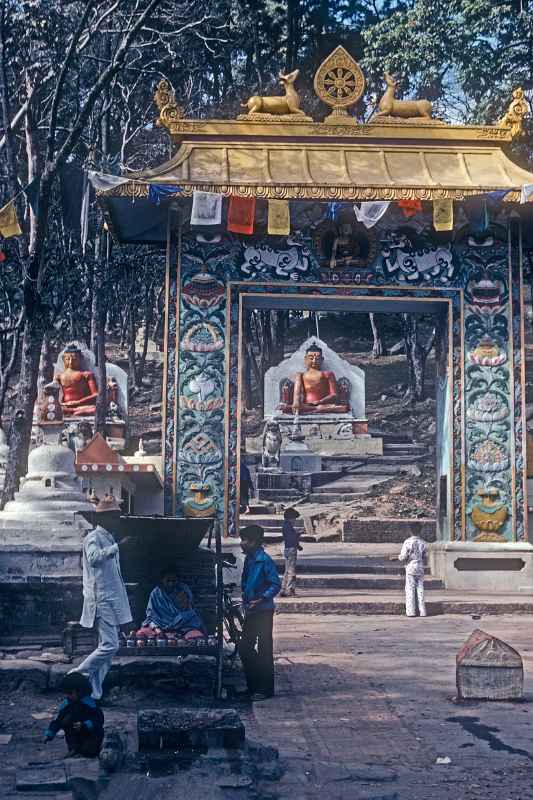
x=260 y=584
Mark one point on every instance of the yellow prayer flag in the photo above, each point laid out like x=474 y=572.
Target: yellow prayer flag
x=9 y=224
x=443 y=215
x=279 y=220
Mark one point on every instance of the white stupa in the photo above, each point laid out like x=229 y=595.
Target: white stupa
x=40 y=533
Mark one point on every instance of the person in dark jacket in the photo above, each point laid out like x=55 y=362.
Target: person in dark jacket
x=291 y=541
x=260 y=584
x=80 y=718
x=246 y=488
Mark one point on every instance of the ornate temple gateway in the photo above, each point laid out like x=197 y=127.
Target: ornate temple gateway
x=448 y=243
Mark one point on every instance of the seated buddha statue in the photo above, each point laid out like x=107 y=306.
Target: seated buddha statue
x=315 y=390
x=79 y=389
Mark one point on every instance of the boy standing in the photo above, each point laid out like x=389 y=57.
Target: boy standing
x=414 y=555
x=80 y=718
x=260 y=584
x=291 y=541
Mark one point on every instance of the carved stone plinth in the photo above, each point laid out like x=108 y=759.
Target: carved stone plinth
x=173 y=728
x=489 y=669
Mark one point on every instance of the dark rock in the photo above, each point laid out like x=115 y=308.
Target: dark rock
x=19 y=674
x=38 y=779
x=114 y=750
x=175 y=728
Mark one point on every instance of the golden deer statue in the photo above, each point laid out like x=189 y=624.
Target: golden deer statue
x=389 y=106
x=289 y=104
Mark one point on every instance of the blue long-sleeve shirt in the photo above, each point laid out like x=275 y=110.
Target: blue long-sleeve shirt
x=291 y=537
x=85 y=711
x=260 y=581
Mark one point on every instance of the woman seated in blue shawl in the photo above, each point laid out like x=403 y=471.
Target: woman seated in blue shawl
x=170 y=609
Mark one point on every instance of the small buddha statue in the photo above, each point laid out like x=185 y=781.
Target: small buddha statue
x=79 y=389
x=315 y=390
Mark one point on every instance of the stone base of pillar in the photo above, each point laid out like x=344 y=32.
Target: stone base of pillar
x=483 y=567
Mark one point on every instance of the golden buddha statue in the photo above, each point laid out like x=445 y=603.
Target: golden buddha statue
x=79 y=389
x=315 y=390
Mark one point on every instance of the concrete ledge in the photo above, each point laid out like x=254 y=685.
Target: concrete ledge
x=484 y=566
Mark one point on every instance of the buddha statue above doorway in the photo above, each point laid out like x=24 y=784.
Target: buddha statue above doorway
x=315 y=391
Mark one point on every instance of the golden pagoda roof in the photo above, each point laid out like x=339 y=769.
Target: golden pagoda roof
x=325 y=162
x=276 y=151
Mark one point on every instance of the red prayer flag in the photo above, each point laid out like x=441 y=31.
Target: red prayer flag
x=241 y=214
x=410 y=207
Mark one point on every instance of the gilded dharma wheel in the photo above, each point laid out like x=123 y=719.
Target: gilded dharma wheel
x=339 y=81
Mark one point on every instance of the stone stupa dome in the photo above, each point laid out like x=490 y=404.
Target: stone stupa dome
x=50 y=458
x=50 y=488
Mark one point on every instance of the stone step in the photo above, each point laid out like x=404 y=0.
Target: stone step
x=331 y=601
x=365 y=565
x=269 y=522
x=280 y=495
x=359 y=582
x=405 y=449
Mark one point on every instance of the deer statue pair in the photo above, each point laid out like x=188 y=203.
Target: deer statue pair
x=389 y=106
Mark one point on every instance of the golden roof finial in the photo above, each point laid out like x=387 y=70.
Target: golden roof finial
x=514 y=118
x=340 y=83
x=165 y=100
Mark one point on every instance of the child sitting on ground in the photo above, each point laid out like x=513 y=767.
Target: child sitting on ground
x=80 y=718
x=170 y=609
x=414 y=555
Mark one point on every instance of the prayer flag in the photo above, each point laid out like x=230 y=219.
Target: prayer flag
x=443 y=215
x=9 y=224
x=160 y=191
x=410 y=207
x=241 y=214
x=369 y=213
x=206 y=208
x=332 y=210
x=279 y=218
x=477 y=212
x=527 y=191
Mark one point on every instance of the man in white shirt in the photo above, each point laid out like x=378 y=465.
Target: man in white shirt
x=105 y=601
x=414 y=555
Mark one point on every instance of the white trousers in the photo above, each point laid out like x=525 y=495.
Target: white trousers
x=98 y=663
x=414 y=591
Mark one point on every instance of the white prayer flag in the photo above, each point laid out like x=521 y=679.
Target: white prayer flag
x=206 y=208
x=527 y=191
x=370 y=213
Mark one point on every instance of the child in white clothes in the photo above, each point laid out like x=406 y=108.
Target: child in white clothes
x=414 y=555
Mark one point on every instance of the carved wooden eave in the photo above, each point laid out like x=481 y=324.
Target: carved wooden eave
x=320 y=161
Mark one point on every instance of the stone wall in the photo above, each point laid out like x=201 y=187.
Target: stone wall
x=384 y=531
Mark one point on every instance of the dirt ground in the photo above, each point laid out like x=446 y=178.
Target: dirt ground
x=364 y=709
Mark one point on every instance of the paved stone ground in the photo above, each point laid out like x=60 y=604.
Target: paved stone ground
x=364 y=709
x=375 y=693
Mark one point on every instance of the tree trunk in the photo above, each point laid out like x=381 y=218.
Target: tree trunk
x=101 y=400
x=417 y=354
x=132 y=365
x=247 y=356
x=377 y=347
x=21 y=425
x=148 y=317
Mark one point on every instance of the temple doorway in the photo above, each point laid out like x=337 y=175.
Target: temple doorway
x=344 y=414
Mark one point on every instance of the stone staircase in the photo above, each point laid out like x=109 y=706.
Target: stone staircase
x=367 y=579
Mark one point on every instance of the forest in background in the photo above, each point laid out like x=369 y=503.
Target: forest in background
x=76 y=91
